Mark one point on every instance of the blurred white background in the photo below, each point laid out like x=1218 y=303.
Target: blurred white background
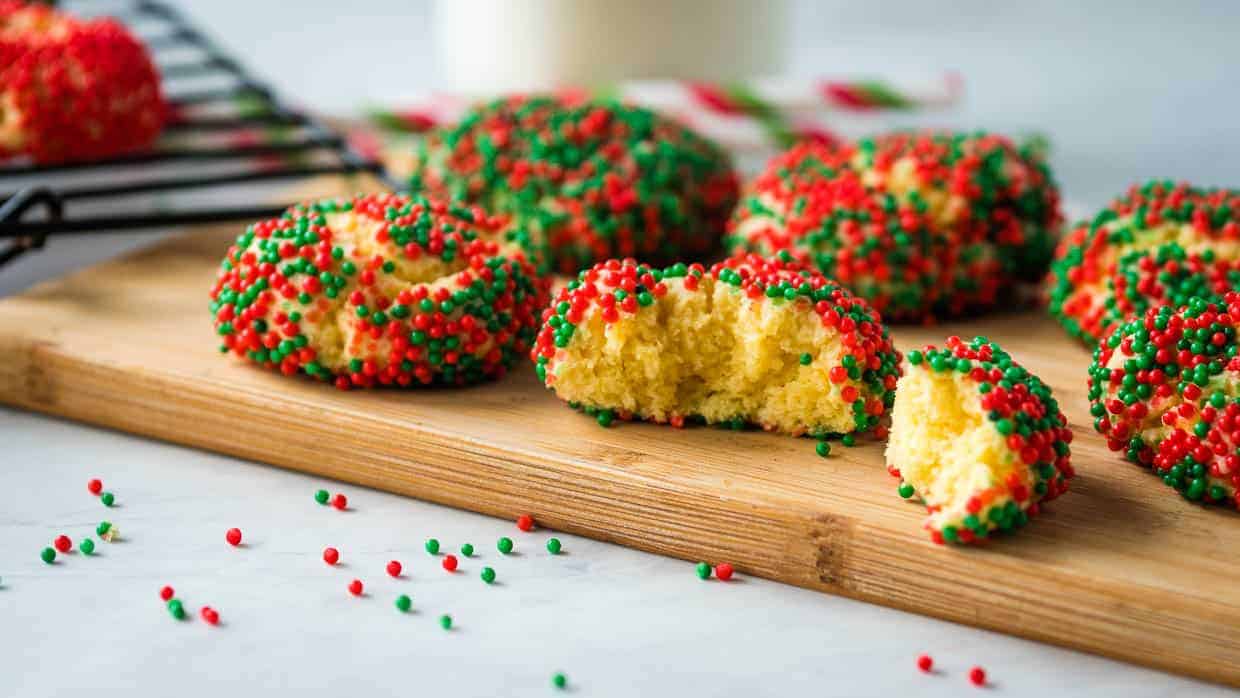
x=1125 y=92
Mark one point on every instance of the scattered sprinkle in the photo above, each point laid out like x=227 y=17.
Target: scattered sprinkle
x=703 y=570
x=107 y=498
x=393 y=568
x=432 y=546
x=525 y=522
x=94 y=486
x=488 y=575
x=723 y=571
x=355 y=587
x=167 y=593
x=321 y=497
x=177 y=609
x=449 y=563
x=467 y=550
x=107 y=531
x=553 y=546
x=823 y=448
x=977 y=676
x=559 y=680
x=62 y=544
x=87 y=546
x=233 y=536
x=331 y=556
x=504 y=545
x=925 y=663
x=210 y=615
x=403 y=603
x=341 y=502
x=445 y=621
x=48 y=555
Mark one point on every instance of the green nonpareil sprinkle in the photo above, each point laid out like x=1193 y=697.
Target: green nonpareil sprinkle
x=467 y=549
x=504 y=545
x=703 y=570
x=445 y=622
x=403 y=603
x=432 y=546
x=553 y=546
x=488 y=575
x=107 y=498
x=87 y=546
x=322 y=496
x=559 y=680
x=48 y=555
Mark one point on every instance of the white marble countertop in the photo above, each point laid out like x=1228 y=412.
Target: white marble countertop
x=616 y=621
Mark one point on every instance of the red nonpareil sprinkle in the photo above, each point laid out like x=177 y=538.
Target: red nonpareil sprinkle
x=977 y=676
x=525 y=522
x=95 y=486
x=393 y=568
x=449 y=563
x=925 y=663
x=167 y=593
x=723 y=571
x=331 y=556
x=210 y=615
x=233 y=536
x=62 y=544
x=341 y=502
x=355 y=587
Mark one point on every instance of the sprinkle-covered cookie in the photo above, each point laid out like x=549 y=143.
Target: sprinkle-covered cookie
x=1100 y=277
x=73 y=90
x=918 y=224
x=978 y=438
x=752 y=340
x=590 y=180
x=1163 y=390
x=379 y=290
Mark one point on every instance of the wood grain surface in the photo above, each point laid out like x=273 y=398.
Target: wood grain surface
x=1120 y=566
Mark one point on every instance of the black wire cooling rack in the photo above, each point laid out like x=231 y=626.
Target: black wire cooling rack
x=226 y=128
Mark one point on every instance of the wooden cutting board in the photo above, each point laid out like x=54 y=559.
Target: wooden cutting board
x=1120 y=566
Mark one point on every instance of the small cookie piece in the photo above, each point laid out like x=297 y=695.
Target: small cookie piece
x=753 y=340
x=978 y=438
x=73 y=90
x=1090 y=286
x=380 y=289
x=590 y=180
x=1162 y=390
x=919 y=224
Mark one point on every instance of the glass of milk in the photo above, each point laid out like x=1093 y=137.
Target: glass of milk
x=493 y=46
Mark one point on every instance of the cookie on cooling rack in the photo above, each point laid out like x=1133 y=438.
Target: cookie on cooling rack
x=73 y=90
